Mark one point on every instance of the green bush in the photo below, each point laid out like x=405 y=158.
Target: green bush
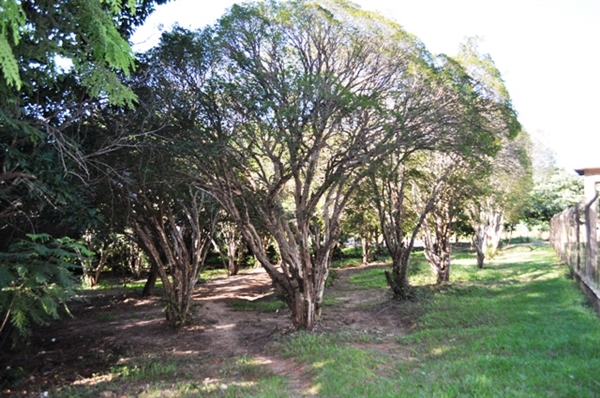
x=36 y=279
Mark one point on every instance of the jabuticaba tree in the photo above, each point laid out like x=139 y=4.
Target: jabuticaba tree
x=502 y=197
x=454 y=117
x=292 y=104
x=282 y=109
x=503 y=193
x=440 y=224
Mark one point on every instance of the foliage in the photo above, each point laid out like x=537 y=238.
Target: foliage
x=466 y=103
x=500 y=199
x=552 y=194
x=82 y=32
x=360 y=220
x=61 y=61
x=36 y=278
x=278 y=133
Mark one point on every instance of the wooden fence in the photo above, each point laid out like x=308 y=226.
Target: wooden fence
x=574 y=234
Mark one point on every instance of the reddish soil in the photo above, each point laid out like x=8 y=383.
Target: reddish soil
x=113 y=327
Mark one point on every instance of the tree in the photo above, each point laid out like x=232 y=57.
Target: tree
x=60 y=62
x=360 y=219
x=511 y=172
x=175 y=230
x=292 y=104
x=146 y=195
x=551 y=194
x=228 y=236
x=503 y=196
x=444 y=219
x=453 y=117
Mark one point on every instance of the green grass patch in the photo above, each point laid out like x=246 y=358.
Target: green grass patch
x=346 y=262
x=118 y=284
x=518 y=328
x=371 y=278
x=419 y=273
x=147 y=371
x=331 y=300
x=167 y=377
x=209 y=274
x=269 y=304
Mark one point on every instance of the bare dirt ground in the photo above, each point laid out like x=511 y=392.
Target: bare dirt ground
x=110 y=328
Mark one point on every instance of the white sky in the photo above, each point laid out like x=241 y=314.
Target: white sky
x=547 y=50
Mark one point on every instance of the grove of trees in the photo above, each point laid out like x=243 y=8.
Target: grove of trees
x=283 y=127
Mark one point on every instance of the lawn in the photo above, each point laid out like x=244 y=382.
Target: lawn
x=518 y=328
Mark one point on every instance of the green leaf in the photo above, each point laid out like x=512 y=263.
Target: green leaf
x=6 y=277
x=9 y=65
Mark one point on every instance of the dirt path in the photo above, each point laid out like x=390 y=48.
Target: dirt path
x=240 y=333
x=114 y=327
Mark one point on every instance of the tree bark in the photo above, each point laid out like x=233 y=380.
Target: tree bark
x=366 y=249
x=150 y=283
x=177 y=240
x=488 y=232
x=398 y=278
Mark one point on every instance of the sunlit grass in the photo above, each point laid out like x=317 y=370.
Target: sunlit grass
x=167 y=377
x=120 y=284
x=372 y=278
x=209 y=274
x=518 y=328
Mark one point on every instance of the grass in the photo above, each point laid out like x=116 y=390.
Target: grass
x=129 y=284
x=269 y=304
x=209 y=274
x=167 y=377
x=518 y=328
x=113 y=284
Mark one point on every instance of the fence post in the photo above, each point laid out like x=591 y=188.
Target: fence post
x=567 y=234
x=591 y=251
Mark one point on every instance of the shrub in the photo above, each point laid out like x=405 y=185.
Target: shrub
x=36 y=279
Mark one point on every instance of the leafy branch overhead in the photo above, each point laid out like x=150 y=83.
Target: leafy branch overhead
x=77 y=34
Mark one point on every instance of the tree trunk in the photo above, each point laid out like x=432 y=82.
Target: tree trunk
x=150 y=283
x=436 y=237
x=301 y=280
x=398 y=278
x=487 y=236
x=480 y=255
x=233 y=265
x=440 y=262
x=181 y=244
x=443 y=275
x=439 y=259
x=366 y=249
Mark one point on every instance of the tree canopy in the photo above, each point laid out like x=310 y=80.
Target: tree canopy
x=61 y=62
x=277 y=121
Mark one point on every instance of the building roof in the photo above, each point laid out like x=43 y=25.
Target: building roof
x=588 y=171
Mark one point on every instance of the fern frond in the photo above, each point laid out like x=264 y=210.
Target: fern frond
x=9 y=65
x=6 y=277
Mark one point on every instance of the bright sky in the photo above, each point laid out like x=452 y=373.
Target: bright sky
x=547 y=50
